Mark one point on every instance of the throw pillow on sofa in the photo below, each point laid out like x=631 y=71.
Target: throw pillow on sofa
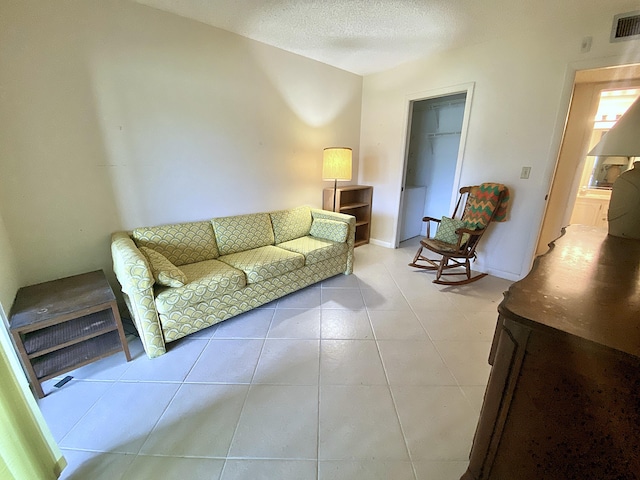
x=164 y=272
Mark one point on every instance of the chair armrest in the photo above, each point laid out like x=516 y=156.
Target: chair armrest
x=351 y=234
x=429 y=220
x=475 y=232
x=332 y=230
x=135 y=278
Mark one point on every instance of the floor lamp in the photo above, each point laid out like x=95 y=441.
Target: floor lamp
x=623 y=140
x=336 y=165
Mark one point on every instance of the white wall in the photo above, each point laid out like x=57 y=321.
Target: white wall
x=520 y=101
x=115 y=115
x=9 y=279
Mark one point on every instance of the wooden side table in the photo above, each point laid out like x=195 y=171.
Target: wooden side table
x=353 y=200
x=63 y=324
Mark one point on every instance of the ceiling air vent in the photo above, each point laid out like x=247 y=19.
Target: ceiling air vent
x=626 y=26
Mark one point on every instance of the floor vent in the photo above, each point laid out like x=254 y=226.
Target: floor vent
x=626 y=26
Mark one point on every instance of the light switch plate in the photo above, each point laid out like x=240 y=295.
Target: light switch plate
x=526 y=171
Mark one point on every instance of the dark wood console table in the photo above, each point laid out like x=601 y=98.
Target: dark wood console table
x=563 y=398
x=60 y=325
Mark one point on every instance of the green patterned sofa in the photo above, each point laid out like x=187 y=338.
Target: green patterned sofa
x=178 y=279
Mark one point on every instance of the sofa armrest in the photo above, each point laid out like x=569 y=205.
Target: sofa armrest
x=136 y=280
x=351 y=235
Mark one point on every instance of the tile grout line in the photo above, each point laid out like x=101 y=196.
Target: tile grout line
x=128 y=468
x=59 y=442
x=164 y=411
x=393 y=398
x=432 y=341
x=319 y=395
x=246 y=396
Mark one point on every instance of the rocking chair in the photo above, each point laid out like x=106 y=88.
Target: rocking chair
x=457 y=238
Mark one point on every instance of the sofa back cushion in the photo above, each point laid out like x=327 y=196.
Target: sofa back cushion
x=243 y=232
x=291 y=224
x=181 y=243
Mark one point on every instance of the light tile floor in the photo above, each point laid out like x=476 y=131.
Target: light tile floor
x=376 y=375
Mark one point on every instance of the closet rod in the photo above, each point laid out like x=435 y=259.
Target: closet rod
x=446 y=104
x=431 y=135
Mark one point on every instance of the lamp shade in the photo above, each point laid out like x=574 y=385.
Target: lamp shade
x=336 y=163
x=623 y=140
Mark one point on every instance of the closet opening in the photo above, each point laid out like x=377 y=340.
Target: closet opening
x=433 y=156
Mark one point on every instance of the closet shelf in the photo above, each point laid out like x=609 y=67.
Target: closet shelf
x=442 y=134
x=446 y=104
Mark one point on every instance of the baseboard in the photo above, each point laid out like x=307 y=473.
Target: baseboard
x=476 y=266
x=380 y=243
x=479 y=267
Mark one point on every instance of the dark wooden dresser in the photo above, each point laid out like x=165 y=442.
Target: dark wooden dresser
x=563 y=398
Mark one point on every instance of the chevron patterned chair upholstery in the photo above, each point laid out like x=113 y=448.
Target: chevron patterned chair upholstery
x=457 y=237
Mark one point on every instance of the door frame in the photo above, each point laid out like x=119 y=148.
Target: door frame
x=554 y=215
x=409 y=101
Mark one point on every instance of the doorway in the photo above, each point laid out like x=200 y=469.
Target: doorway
x=572 y=162
x=435 y=132
x=591 y=203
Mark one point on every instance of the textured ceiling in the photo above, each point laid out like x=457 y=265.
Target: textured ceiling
x=368 y=36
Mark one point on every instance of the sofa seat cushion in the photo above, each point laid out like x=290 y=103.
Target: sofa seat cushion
x=211 y=278
x=180 y=243
x=291 y=224
x=243 y=232
x=314 y=249
x=264 y=263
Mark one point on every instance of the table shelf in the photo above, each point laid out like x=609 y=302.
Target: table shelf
x=68 y=358
x=40 y=342
x=353 y=206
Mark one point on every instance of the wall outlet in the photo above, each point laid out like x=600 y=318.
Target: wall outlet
x=526 y=171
